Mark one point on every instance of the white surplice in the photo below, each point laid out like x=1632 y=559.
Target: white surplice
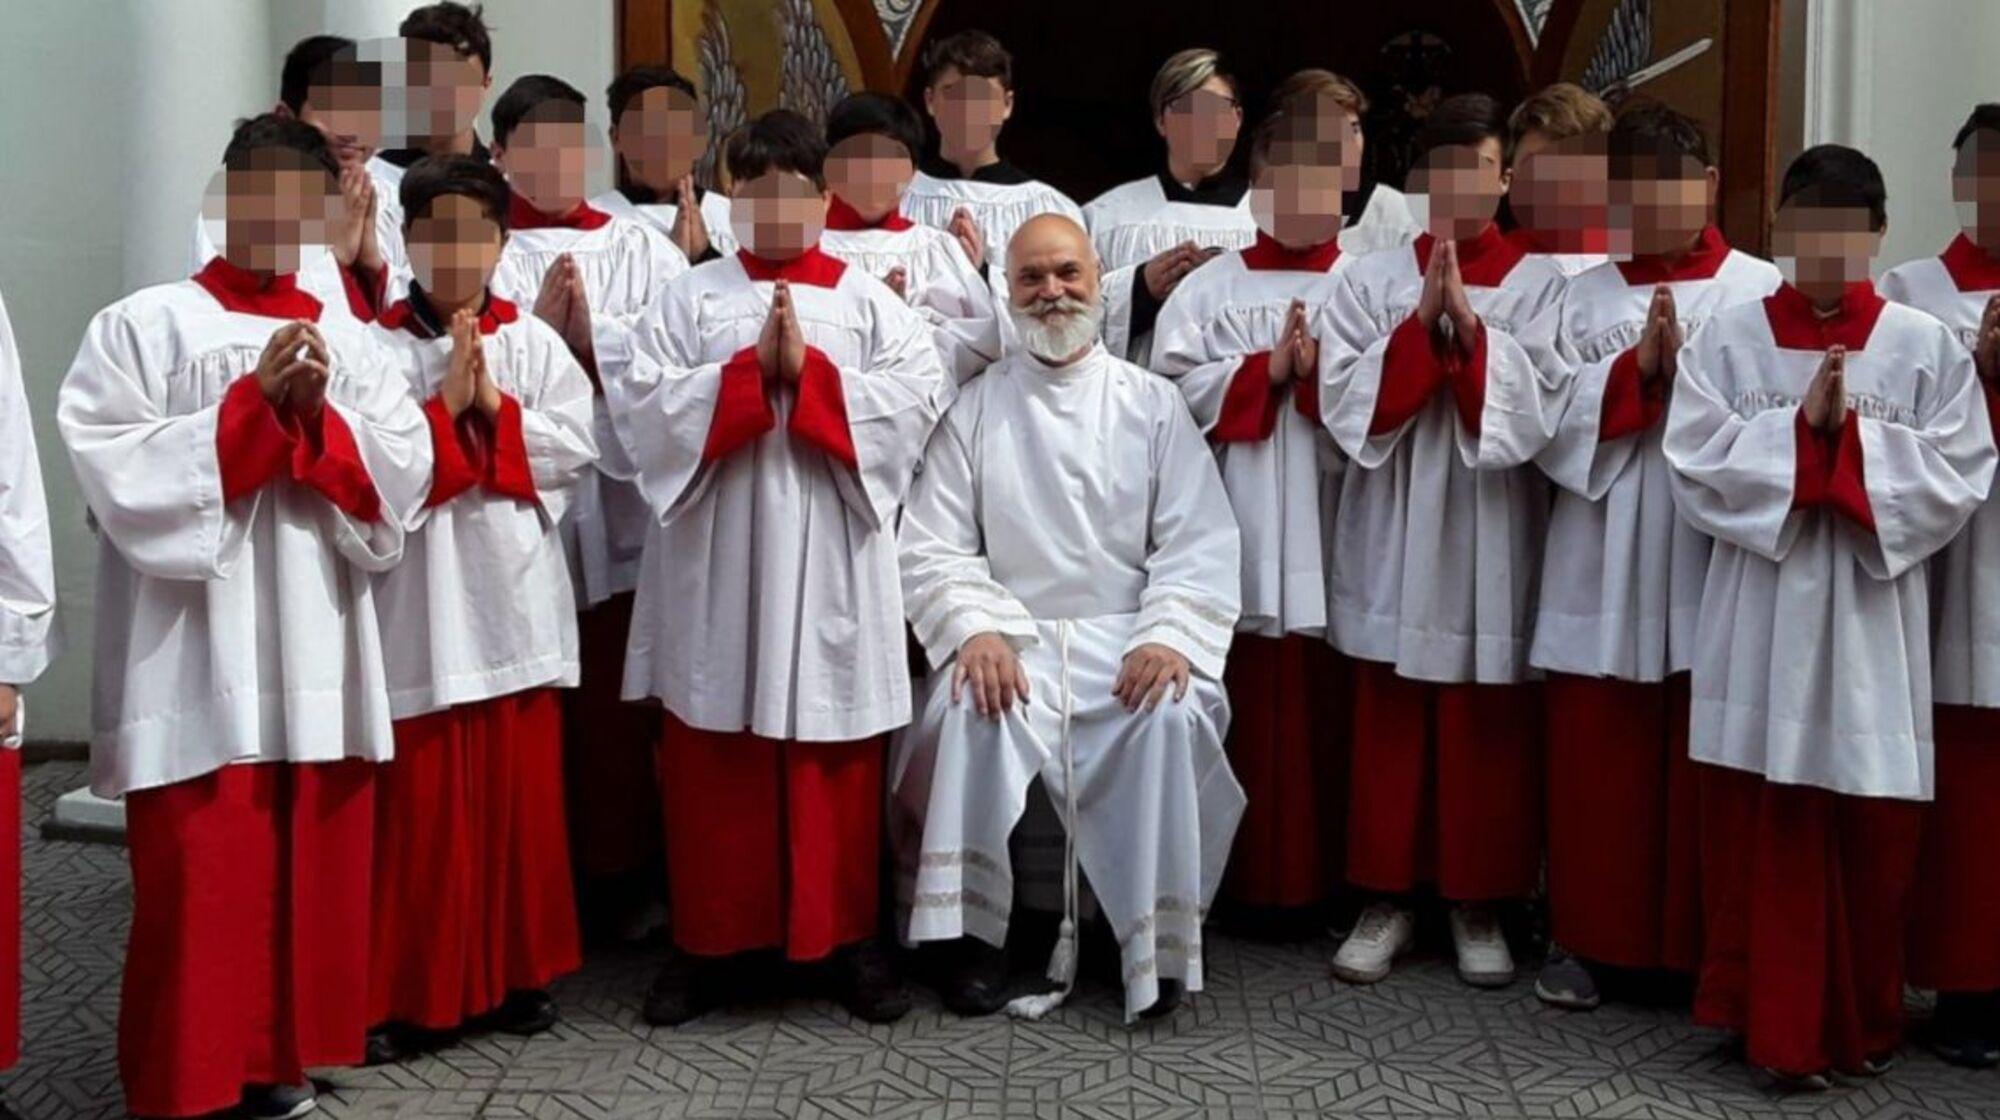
x=239 y=631
x=1954 y=287
x=769 y=599
x=1132 y=223
x=625 y=266
x=662 y=215
x=1438 y=538
x=1283 y=488
x=319 y=274
x=939 y=283
x=1812 y=655
x=1076 y=512
x=1000 y=199
x=481 y=604
x=29 y=637
x=1623 y=571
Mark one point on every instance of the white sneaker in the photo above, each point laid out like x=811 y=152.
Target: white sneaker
x=1384 y=932
x=1483 y=959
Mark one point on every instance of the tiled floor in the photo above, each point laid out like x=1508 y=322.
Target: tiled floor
x=1273 y=1037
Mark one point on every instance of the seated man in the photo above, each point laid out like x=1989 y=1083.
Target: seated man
x=1069 y=556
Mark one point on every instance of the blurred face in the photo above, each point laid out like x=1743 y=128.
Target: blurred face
x=869 y=172
x=271 y=209
x=453 y=249
x=1561 y=187
x=439 y=94
x=345 y=104
x=1462 y=185
x=1052 y=288
x=1821 y=248
x=1297 y=204
x=659 y=136
x=1200 y=127
x=969 y=111
x=547 y=161
x=778 y=215
x=1975 y=188
x=1663 y=202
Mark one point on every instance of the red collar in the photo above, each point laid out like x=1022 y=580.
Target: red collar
x=1699 y=263
x=1267 y=254
x=404 y=316
x=1972 y=268
x=1796 y=326
x=1483 y=261
x=810 y=267
x=521 y=214
x=238 y=289
x=840 y=216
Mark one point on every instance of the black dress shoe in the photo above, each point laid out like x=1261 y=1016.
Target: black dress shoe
x=525 y=1012
x=1170 y=998
x=868 y=985
x=975 y=982
x=383 y=1047
x=686 y=988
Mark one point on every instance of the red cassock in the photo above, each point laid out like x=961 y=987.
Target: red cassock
x=771 y=844
x=1955 y=924
x=249 y=928
x=1287 y=745
x=608 y=757
x=1623 y=822
x=472 y=879
x=10 y=908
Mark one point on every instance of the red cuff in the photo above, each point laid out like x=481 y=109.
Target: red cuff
x=252 y=443
x=1250 y=406
x=507 y=472
x=329 y=461
x=367 y=292
x=742 y=411
x=1630 y=404
x=1846 y=488
x=820 y=416
x=1468 y=380
x=1815 y=462
x=453 y=473
x=1411 y=372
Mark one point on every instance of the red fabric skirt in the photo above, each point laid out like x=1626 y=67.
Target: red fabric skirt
x=1287 y=745
x=1955 y=930
x=10 y=908
x=472 y=879
x=770 y=843
x=1445 y=787
x=249 y=929
x=614 y=808
x=1807 y=894
x=1624 y=846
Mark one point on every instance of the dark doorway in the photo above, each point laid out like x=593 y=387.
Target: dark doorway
x=1082 y=68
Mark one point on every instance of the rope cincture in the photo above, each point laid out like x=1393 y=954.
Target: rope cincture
x=1062 y=960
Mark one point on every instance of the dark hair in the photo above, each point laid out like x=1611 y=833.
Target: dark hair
x=434 y=176
x=1836 y=175
x=272 y=130
x=529 y=93
x=779 y=140
x=456 y=26
x=1464 y=119
x=1985 y=117
x=971 y=52
x=635 y=80
x=1646 y=130
x=306 y=61
x=879 y=114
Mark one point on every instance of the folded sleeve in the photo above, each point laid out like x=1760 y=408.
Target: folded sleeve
x=1355 y=373
x=1919 y=482
x=1225 y=380
x=554 y=421
x=963 y=316
x=373 y=439
x=1734 y=477
x=1194 y=570
x=28 y=633
x=888 y=406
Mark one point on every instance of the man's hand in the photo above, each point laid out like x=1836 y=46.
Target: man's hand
x=552 y=299
x=1458 y=305
x=10 y=711
x=791 y=339
x=1166 y=270
x=989 y=668
x=352 y=237
x=690 y=229
x=1146 y=674
x=1825 y=406
x=969 y=238
x=280 y=359
x=461 y=376
x=1986 y=348
x=898 y=280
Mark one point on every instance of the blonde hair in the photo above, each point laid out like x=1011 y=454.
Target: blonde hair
x=1320 y=83
x=1184 y=73
x=1559 y=112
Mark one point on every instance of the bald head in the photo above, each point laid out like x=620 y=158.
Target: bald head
x=1051 y=256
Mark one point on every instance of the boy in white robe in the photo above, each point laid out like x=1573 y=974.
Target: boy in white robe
x=1374 y=215
x=1072 y=571
x=1559 y=199
x=474 y=912
x=1236 y=337
x=445 y=50
x=1830 y=443
x=658 y=134
x=872 y=143
x=1436 y=549
x=247 y=463
x=1955 y=936
x=29 y=640
x=1622 y=573
x=776 y=407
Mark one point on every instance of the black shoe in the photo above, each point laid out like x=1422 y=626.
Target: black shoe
x=868 y=986
x=1962 y=1032
x=523 y=1012
x=975 y=982
x=686 y=988
x=277 y=1102
x=384 y=1047
x=1170 y=998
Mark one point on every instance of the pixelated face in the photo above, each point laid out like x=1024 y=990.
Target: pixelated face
x=1561 y=187
x=1462 y=185
x=1975 y=188
x=1201 y=125
x=548 y=156
x=660 y=135
x=1821 y=247
x=869 y=172
x=1661 y=201
x=1298 y=203
x=344 y=102
x=432 y=92
x=454 y=247
x=270 y=209
x=969 y=110
x=777 y=215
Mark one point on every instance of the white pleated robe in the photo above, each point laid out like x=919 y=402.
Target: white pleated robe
x=998 y=208
x=940 y=284
x=29 y=636
x=662 y=215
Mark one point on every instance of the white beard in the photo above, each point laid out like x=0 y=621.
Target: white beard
x=1069 y=326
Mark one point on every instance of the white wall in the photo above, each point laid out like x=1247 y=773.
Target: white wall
x=113 y=114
